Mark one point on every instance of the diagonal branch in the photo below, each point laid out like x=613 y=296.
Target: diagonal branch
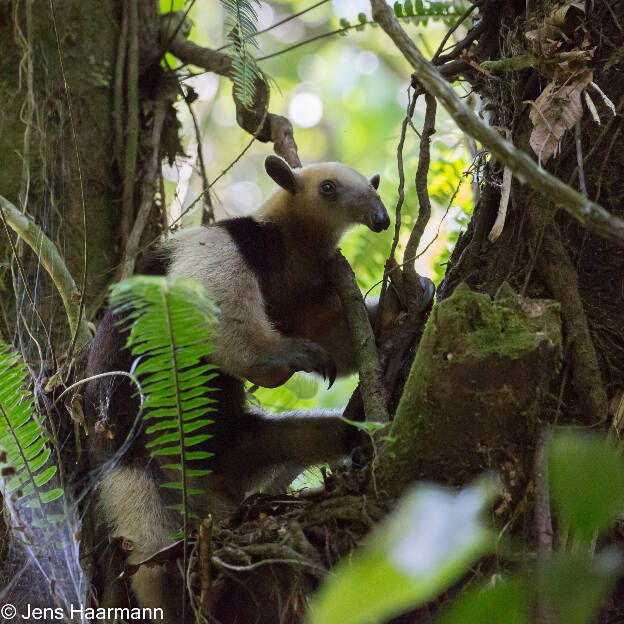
x=592 y=216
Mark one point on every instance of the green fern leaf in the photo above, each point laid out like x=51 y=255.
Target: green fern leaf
x=169 y=324
x=242 y=25
x=25 y=446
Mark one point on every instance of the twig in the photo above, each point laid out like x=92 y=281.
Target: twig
x=543 y=522
x=412 y=284
x=148 y=192
x=118 y=373
x=206 y=190
x=282 y=21
x=592 y=216
x=49 y=256
x=331 y=33
x=451 y=30
x=20 y=268
x=202 y=168
x=371 y=386
x=579 y=158
x=205 y=576
x=72 y=123
x=391 y=262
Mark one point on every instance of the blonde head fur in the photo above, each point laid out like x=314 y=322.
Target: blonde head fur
x=324 y=199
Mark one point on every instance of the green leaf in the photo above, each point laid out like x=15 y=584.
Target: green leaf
x=408 y=8
x=426 y=545
x=22 y=439
x=398 y=9
x=362 y=18
x=575 y=585
x=586 y=481
x=506 y=600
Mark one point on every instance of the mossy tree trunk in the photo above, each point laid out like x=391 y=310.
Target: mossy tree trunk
x=541 y=254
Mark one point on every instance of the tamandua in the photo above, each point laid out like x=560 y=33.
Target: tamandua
x=279 y=313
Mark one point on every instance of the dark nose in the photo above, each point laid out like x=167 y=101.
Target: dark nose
x=380 y=220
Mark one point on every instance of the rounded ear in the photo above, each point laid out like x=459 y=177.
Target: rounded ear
x=375 y=180
x=280 y=172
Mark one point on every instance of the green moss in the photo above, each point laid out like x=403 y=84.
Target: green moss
x=480 y=369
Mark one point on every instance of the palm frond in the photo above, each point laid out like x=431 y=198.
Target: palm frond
x=169 y=322
x=24 y=460
x=242 y=25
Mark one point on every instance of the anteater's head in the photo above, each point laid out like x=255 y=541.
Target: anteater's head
x=331 y=194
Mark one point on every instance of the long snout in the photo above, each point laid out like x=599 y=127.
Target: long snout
x=378 y=216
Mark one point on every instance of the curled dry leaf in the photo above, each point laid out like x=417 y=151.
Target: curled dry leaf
x=556 y=110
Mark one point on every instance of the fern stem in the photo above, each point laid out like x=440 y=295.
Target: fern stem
x=182 y=449
x=106 y=374
x=337 y=32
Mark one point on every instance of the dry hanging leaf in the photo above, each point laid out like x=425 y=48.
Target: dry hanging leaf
x=556 y=110
x=558 y=16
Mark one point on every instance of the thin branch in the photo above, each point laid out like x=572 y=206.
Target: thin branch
x=148 y=192
x=210 y=217
x=72 y=123
x=207 y=189
x=414 y=290
x=132 y=125
x=457 y=24
x=391 y=262
x=31 y=299
x=49 y=256
x=579 y=158
x=371 y=385
x=592 y=216
x=282 y=21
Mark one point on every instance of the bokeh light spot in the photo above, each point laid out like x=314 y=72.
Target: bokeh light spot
x=366 y=62
x=305 y=109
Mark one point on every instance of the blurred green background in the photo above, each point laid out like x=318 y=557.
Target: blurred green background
x=346 y=96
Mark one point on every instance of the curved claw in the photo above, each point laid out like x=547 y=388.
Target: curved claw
x=332 y=372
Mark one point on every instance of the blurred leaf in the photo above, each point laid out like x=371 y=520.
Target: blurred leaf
x=398 y=9
x=586 y=480
x=576 y=585
x=427 y=544
x=506 y=600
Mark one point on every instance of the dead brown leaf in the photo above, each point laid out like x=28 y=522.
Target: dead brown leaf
x=556 y=110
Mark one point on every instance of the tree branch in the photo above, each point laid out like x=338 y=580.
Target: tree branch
x=46 y=251
x=276 y=128
x=592 y=216
x=371 y=386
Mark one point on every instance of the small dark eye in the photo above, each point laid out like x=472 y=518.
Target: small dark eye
x=327 y=187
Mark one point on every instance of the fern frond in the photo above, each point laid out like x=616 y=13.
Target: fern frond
x=242 y=25
x=169 y=326
x=25 y=445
